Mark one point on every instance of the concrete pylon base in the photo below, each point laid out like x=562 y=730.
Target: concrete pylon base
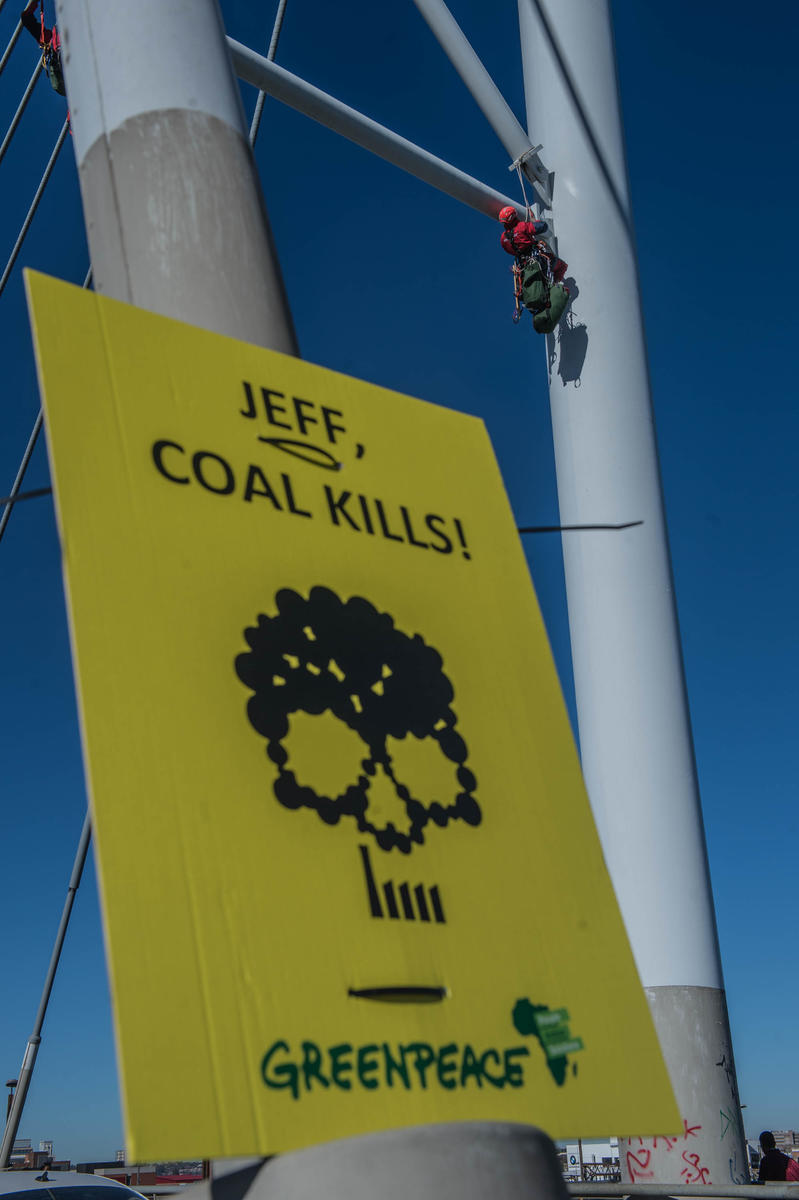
x=694 y=1033
x=465 y=1161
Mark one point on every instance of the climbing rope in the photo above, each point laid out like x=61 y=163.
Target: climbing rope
x=527 y=205
x=22 y=106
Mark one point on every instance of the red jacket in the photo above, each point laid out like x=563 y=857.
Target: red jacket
x=522 y=237
x=522 y=240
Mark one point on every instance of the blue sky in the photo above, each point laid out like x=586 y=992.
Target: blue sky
x=399 y=285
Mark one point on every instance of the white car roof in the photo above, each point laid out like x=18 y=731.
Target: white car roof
x=24 y=1181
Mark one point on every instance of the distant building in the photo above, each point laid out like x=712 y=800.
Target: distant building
x=133 y=1174
x=191 y=1169
x=120 y=1156
x=20 y=1148
x=25 y=1157
x=600 y=1162
x=46 y=1148
x=137 y=1175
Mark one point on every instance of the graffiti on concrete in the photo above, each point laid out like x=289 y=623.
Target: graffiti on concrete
x=637 y=1165
x=641 y=1167
x=727 y=1119
x=694 y=1172
x=688 y=1131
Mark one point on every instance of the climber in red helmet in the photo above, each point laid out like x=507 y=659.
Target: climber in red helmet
x=522 y=238
x=539 y=271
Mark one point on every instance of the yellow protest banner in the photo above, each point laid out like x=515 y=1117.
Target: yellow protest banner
x=349 y=875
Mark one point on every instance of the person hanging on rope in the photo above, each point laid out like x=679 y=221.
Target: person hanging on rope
x=49 y=41
x=537 y=271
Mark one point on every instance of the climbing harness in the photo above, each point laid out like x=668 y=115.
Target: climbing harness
x=523 y=264
x=51 y=61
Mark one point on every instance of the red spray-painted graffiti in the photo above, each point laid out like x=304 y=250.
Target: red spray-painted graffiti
x=639 y=1161
x=694 y=1172
x=637 y=1164
x=670 y=1142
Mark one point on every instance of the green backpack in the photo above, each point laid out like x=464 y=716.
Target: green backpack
x=52 y=65
x=547 y=304
x=546 y=320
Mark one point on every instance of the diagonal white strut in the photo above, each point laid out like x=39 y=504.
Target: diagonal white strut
x=312 y=102
x=485 y=93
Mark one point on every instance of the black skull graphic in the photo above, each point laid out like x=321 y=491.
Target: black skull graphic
x=323 y=654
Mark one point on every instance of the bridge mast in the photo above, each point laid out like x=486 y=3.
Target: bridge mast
x=634 y=725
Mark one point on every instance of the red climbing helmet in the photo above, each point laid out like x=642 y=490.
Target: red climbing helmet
x=508 y=215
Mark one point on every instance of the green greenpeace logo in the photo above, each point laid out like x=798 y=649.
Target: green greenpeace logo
x=414 y=1065
x=551 y=1027
x=419 y=1065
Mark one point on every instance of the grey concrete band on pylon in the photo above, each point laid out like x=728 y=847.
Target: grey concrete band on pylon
x=174 y=213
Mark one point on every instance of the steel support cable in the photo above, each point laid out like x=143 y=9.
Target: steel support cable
x=23 y=466
x=34 y=1041
x=23 y=104
x=270 y=54
x=12 y=43
x=33 y=494
x=14 y=495
x=34 y=205
x=32 y=1049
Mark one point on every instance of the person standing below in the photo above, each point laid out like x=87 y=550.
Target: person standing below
x=49 y=41
x=537 y=270
x=774 y=1165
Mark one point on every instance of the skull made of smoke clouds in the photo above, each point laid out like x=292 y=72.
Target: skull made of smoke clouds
x=323 y=654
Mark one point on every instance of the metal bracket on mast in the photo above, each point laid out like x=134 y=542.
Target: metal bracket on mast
x=536 y=172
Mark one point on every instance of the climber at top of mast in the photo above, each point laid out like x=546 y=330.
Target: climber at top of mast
x=49 y=41
x=537 y=271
